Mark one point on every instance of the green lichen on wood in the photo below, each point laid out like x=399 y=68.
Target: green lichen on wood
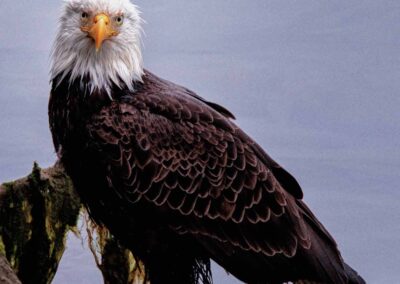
x=36 y=213
x=2 y=248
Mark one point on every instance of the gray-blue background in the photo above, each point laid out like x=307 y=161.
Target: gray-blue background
x=316 y=83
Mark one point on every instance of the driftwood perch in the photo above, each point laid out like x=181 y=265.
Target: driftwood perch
x=36 y=213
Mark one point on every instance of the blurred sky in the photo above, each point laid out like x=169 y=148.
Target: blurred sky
x=316 y=83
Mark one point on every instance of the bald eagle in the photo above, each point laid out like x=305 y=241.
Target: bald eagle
x=168 y=172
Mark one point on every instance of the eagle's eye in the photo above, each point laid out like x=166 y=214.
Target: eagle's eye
x=119 y=20
x=84 y=16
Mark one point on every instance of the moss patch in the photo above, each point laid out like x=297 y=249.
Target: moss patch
x=2 y=247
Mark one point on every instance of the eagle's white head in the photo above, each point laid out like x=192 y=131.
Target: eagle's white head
x=99 y=40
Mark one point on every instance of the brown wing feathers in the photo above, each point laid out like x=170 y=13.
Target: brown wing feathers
x=193 y=167
x=184 y=157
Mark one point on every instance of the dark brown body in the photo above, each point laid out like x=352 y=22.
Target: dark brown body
x=179 y=183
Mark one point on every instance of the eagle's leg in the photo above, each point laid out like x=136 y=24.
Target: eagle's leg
x=178 y=269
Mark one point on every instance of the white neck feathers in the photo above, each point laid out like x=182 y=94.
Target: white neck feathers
x=118 y=63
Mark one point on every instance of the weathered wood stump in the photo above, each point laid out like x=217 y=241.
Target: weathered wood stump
x=36 y=214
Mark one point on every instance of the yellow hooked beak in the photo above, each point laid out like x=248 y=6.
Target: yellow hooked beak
x=100 y=30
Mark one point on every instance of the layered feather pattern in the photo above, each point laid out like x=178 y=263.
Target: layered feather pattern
x=162 y=149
